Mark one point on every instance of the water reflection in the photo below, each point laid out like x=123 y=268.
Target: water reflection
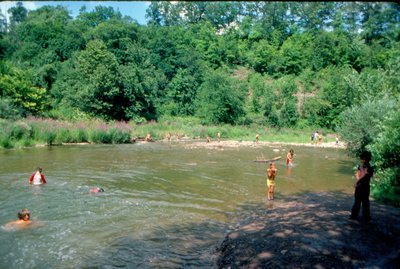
x=163 y=205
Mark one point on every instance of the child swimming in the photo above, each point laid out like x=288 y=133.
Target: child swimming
x=24 y=221
x=96 y=190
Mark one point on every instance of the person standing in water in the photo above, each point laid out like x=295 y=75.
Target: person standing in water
x=289 y=158
x=37 y=178
x=271 y=174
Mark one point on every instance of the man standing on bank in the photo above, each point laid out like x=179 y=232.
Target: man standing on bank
x=361 y=194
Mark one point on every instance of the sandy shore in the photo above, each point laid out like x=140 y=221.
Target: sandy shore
x=251 y=144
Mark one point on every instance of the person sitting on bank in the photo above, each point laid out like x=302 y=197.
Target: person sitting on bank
x=24 y=221
x=37 y=178
x=148 y=138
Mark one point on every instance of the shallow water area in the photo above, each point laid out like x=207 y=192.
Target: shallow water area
x=164 y=205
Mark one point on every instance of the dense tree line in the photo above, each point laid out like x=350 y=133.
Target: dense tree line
x=324 y=64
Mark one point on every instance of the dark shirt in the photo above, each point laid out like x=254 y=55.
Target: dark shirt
x=364 y=181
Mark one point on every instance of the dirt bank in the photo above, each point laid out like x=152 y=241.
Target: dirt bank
x=312 y=231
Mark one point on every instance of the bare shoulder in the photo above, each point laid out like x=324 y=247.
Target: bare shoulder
x=18 y=225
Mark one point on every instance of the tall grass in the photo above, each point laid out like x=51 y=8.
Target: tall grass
x=36 y=131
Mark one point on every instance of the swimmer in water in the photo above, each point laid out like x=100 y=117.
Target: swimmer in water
x=96 y=190
x=24 y=221
x=37 y=178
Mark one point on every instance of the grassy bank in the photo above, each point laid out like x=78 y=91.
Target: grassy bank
x=35 y=131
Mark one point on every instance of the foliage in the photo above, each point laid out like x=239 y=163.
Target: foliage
x=374 y=125
x=17 y=86
x=360 y=125
x=220 y=99
x=108 y=66
x=385 y=149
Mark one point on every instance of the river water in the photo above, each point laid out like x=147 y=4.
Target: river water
x=164 y=205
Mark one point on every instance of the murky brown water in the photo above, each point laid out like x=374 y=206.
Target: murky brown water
x=164 y=206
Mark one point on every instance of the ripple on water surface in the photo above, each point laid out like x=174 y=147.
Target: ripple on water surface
x=164 y=207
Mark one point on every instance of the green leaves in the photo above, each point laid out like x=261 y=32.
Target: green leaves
x=361 y=125
x=95 y=81
x=220 y=99
x=18 y=86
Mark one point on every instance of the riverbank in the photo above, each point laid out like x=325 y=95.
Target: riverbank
x=30 y=132
x=312 y=231
x=237 y=144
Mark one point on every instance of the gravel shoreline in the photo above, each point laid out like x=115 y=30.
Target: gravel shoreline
x=251 y=144
x=312 y=231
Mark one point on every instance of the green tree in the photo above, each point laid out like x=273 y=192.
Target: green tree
x=181 y=93
x=116 y=34
x=314 y=17
x=94 y=88
x=289 y=114
x=220 y=99
x=18 y=14
x=17 y=85
x=264 y=58
x=385 y=150
x=46 y=37
x=140 y=83
x=98 y=15
x=379 y=20
x=164 y=13
x=360 y=125
x=295 y=54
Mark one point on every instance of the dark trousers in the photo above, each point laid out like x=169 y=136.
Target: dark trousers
x=361 y=196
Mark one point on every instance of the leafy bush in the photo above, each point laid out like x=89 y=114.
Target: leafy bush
x=385 y=149
x=20 y=130
x=6 y=142
x=360 y=125
x=8 y=110
x=220 y=99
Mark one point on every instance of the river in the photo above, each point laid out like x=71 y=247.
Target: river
x=164 y=205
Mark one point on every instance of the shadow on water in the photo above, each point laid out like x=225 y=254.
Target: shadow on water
x=309 y=230
x=312 y=231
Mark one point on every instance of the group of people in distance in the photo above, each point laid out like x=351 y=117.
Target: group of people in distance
x=316 y=138
x=24 y=215
x=363 y=177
